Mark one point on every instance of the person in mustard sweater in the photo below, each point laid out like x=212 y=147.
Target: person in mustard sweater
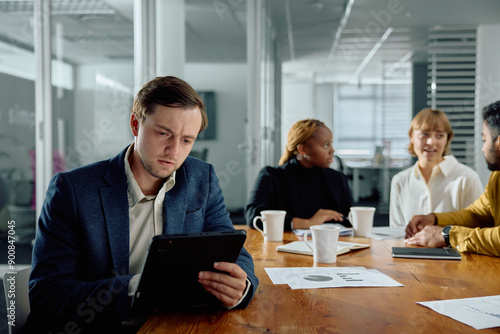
x=475 y=229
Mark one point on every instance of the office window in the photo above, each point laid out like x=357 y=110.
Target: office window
x=359 y=110
x=396 y=118
x=452 y=73
x=369 y=115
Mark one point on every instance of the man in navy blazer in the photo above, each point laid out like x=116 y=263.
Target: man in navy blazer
x=97 y=220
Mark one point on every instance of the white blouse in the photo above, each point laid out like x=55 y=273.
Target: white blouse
x=452 y=186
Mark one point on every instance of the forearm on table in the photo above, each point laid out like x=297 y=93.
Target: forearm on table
x=300 y=223
x=465 y=217
x=476 y=240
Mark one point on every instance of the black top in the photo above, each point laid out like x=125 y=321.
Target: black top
x=300 y=191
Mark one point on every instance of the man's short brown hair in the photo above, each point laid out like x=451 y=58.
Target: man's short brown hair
x=167 y=91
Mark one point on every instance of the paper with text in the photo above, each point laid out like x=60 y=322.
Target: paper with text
x=329 y=277
x=479 y=313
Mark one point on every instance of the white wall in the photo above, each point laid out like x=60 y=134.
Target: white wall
x=297 y=104
x=324 y=104
x=487 y=85
x=170 y=37
x=303 y=99
x=229 y=82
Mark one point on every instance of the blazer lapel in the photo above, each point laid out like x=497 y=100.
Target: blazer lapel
x=175 y=199
x=116 y=214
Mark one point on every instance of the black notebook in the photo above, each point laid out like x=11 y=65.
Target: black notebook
x=169 y=278
x=426 y=253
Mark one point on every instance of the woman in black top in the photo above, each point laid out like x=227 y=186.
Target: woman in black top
x=303 y=185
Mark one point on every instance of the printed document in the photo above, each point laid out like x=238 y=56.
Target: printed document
x=329 y=277
x=479 y=313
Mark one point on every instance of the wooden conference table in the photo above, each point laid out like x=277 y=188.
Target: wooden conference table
x=279 y=309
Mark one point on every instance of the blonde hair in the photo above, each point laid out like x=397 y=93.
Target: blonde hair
x=431 y=119
x=298 y=134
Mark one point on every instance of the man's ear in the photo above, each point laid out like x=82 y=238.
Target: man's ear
x=134 y=125
x=497 y=143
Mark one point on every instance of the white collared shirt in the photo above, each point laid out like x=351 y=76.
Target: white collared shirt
x=145 y=216
x=452 y=186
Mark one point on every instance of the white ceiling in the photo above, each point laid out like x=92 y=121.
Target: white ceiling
x=377 y=35
x=405 y=24
x=306 y=31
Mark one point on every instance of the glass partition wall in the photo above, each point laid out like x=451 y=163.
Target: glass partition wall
x=86 y=98
x=17 y=117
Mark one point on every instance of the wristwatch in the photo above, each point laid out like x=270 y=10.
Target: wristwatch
x=446 y=234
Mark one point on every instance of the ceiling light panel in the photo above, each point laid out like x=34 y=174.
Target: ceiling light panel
x=59 y=7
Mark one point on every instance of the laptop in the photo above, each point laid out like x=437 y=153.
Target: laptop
x=169 y=278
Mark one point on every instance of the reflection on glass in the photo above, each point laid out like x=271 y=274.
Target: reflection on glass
x=92 y=80
x=91 y=117
x=17 y=116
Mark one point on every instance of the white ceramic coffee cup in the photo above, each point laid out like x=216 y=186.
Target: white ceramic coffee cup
x=361 y=218
x=325 y=239
x=273 y=222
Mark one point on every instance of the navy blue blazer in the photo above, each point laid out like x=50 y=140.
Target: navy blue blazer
x=81 y=254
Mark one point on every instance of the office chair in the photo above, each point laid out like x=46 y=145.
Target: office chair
x=22 y=300
x=337 y=164
x=202 y=155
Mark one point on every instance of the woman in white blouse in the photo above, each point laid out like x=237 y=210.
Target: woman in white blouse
x=437 y=182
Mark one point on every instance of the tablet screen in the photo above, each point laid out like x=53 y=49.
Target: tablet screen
x=169 y=278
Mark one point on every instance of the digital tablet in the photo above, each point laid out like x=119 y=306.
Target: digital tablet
x=426 y=253
x=169 y=277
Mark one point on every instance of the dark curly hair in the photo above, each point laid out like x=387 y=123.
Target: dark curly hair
x=491 y=115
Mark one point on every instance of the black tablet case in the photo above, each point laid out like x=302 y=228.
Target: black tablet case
x=426 y=253
x=170 y=274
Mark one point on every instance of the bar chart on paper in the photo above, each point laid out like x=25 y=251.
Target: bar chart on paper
x=329 y=277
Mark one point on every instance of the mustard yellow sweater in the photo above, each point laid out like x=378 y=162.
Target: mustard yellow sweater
x=476 y=229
